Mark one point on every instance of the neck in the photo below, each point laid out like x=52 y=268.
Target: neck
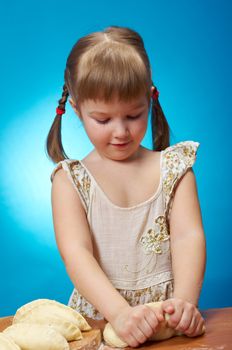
x=135 y=157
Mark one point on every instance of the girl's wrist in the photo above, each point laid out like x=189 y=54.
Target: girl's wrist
x=113 y=313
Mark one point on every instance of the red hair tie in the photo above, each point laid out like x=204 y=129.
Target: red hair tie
x=155 y=94
x=60 y=111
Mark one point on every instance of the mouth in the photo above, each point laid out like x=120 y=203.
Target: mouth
x=120 y=144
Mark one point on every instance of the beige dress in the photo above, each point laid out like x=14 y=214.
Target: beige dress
x=132 y=245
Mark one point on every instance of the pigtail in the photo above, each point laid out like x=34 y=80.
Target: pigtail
x=159 y=126
x=54 y=145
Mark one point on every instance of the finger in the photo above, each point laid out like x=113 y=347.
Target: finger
x=185 y=320
x=192 y=327
x=168 y=307
x=150 y=325
x=200 y=329
x=154 y=316
x=159 y=314
x=175 y=318
x=132 y=341
x=139 y=335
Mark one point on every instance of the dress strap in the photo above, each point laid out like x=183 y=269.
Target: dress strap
x=78 y=176
x=177 y=159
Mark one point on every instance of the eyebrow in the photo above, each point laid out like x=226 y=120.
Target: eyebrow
x=99 y=112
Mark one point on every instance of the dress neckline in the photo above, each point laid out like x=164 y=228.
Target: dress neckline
x=147 y=201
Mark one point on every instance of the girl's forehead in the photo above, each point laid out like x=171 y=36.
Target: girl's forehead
x=100 y=105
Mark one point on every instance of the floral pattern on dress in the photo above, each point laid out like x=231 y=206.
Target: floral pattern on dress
x=176 y=160
x=81 y=179
x=152 y=240
x=159 y=292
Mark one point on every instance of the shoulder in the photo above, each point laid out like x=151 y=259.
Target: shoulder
x=177 y=163
x=69 y=178
x=64 y=197
x=69 y=209
x=59 y=178
x=179 y=157
x=61 y=184
x=184 y=149
x=66 y=165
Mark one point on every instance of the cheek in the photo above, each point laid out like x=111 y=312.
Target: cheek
x=90 y=129
x=95 y=131
x=141 y=127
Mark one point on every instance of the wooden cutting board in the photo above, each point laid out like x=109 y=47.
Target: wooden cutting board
x=91 y=339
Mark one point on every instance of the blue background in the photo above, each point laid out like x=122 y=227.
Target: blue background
x=189 y=46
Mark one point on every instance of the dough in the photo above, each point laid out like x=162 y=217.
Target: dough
x=30 y=336
x=163 y=331
x=111 y=338
x=43 y=316
x=6 y=343
x=52 y=308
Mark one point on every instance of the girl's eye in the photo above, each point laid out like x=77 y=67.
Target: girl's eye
x=135 y=117
x=129 y=117
x=102 y=121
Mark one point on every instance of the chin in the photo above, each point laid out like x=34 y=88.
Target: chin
x=123 y=156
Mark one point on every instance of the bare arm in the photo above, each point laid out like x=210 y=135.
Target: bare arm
x=75 y=246
x=188 y=246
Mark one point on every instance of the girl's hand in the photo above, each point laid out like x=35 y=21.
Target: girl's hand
x=184 y=317
x=136 y=324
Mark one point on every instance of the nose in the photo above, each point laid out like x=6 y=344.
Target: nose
x=120 y=130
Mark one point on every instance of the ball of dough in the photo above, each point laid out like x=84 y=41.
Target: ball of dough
x=111 y=338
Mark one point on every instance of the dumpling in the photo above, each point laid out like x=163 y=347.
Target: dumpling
x=42 y=316
x=30 y=336
x=53 y=308
x=6 y=343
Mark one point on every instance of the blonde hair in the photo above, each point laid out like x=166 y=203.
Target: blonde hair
x=100 y=66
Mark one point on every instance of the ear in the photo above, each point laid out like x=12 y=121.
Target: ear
x=75 y=107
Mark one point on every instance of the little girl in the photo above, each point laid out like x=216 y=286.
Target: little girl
x=127 y=219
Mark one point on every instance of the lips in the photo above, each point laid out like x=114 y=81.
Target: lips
x=120 y=144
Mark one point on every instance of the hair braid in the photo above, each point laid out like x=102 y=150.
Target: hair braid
x=54 y=145
x=159 y=126
x=63 y=100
